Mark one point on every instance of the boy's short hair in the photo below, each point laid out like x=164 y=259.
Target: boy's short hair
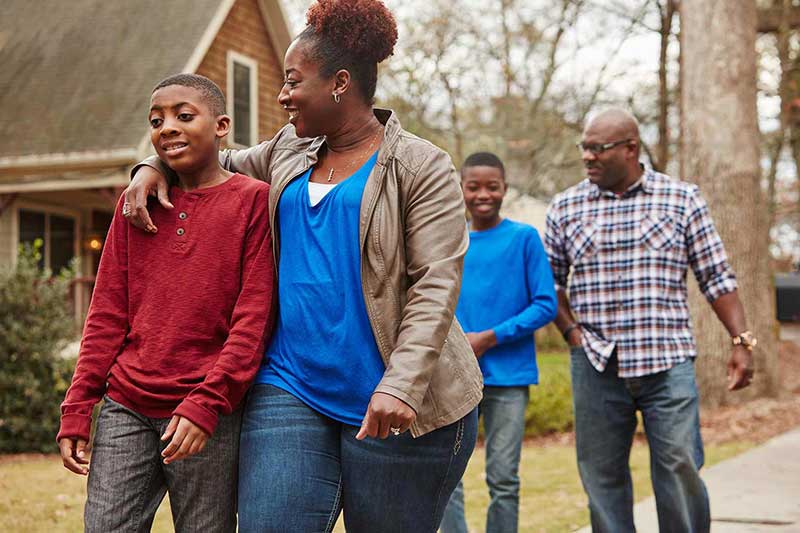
x=211 y=92
x=483 y=159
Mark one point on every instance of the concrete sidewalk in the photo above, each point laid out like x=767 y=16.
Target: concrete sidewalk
x=758 y=491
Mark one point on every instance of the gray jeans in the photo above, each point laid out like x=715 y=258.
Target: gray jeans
x=128 y=480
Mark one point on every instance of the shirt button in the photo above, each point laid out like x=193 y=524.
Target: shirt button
x=180 y=231
x=182 y=215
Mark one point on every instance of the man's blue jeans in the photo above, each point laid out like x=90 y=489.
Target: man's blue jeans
x=299 y=468
x=605 y=422
x=503 y=411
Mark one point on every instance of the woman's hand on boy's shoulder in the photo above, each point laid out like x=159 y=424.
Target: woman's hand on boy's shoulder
x=74 y=453
x=147 y=181
x=186 y=439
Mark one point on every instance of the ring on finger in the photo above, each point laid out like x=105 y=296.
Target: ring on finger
x=126 y=209
x=395 y=430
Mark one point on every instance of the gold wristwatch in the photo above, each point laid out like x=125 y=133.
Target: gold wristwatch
x=746 y=339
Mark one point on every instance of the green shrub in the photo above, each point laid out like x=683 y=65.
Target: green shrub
x=549 y=339
x=550 y=407
x=35 y=322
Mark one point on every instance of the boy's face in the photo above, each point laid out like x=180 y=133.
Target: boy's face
x=184 y=130
x=484 y=188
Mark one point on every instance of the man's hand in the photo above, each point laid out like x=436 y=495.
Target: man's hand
x=146 y=182
x=187 y=439
x=73 y=454
x=575 y=337
x=482 y=341
x=384 y=413
x=740 y=368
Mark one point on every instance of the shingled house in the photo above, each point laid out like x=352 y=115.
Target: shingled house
x=75 y=85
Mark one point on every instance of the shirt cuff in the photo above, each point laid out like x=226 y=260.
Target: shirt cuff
x=76 y=426
x=202 y=417
x=720 y=286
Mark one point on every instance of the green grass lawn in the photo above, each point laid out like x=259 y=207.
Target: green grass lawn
x=38 y=495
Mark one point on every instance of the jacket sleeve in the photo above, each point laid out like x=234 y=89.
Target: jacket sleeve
x=436 y=240
x=226 y=383
x=106 y=327
x=541 y=295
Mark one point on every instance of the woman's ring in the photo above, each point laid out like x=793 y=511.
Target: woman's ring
x=395 y=431
x=126 y=209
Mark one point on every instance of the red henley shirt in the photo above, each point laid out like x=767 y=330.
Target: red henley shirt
x=179 y=318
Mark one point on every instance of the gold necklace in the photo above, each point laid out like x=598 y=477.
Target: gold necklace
x=360 y=156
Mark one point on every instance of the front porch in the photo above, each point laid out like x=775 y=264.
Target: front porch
x=69 y=224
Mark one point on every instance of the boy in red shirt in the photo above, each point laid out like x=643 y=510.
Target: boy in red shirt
x=174 y=334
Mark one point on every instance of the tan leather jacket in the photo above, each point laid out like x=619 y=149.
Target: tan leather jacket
x=413 y=240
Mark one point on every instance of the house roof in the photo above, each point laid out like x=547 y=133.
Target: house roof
x=76 y=76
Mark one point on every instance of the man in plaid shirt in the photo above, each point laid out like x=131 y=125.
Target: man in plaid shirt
x=620 y=244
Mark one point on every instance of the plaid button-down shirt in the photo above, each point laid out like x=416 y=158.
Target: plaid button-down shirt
x=624 y=261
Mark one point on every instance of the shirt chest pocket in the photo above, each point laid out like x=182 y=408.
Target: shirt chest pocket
x=657 y=231
x=581 y=236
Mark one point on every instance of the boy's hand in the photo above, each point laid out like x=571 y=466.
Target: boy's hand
x=187 y=439
x=73 y=454
x=482 y=341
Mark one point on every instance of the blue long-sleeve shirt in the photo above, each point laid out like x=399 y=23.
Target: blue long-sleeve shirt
x=507 y=287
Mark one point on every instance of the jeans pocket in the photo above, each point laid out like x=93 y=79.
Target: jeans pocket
x=577 y=350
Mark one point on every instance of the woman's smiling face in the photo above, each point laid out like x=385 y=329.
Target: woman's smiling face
x=306 y=95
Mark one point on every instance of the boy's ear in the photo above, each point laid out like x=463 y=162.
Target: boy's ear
x=223 y=126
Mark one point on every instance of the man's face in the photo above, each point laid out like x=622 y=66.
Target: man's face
x=484 y=188
x=609 y=169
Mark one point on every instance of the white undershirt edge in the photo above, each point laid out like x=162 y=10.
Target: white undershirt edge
x=317 y=191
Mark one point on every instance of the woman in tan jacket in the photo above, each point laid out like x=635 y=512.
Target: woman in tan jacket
x=367 y=394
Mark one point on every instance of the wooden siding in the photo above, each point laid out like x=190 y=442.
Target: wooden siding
x=244 y=32
x=7 y=245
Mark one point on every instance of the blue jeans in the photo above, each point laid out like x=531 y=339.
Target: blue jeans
x=605 y=422
x=503 y=411
x=298 y=469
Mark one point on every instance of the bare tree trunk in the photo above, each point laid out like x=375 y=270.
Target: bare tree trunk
x=661 y=159
x=720 y=142
x=784 y=92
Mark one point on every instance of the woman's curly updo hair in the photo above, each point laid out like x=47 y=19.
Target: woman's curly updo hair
x=354 y=35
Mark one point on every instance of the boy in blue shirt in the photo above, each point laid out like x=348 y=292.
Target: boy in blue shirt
x=506 y=294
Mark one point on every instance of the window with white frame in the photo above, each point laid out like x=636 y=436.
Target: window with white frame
x=57 y=233
x=242 y=97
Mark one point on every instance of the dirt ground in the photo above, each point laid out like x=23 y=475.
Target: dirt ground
x=756 y=421
x=759 y=420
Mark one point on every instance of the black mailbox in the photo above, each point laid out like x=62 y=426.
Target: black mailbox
x=787 y=296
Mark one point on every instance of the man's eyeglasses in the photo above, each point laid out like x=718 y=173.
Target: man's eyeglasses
x=598 y=149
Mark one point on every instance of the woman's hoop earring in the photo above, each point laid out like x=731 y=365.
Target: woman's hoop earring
x=336 y=98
